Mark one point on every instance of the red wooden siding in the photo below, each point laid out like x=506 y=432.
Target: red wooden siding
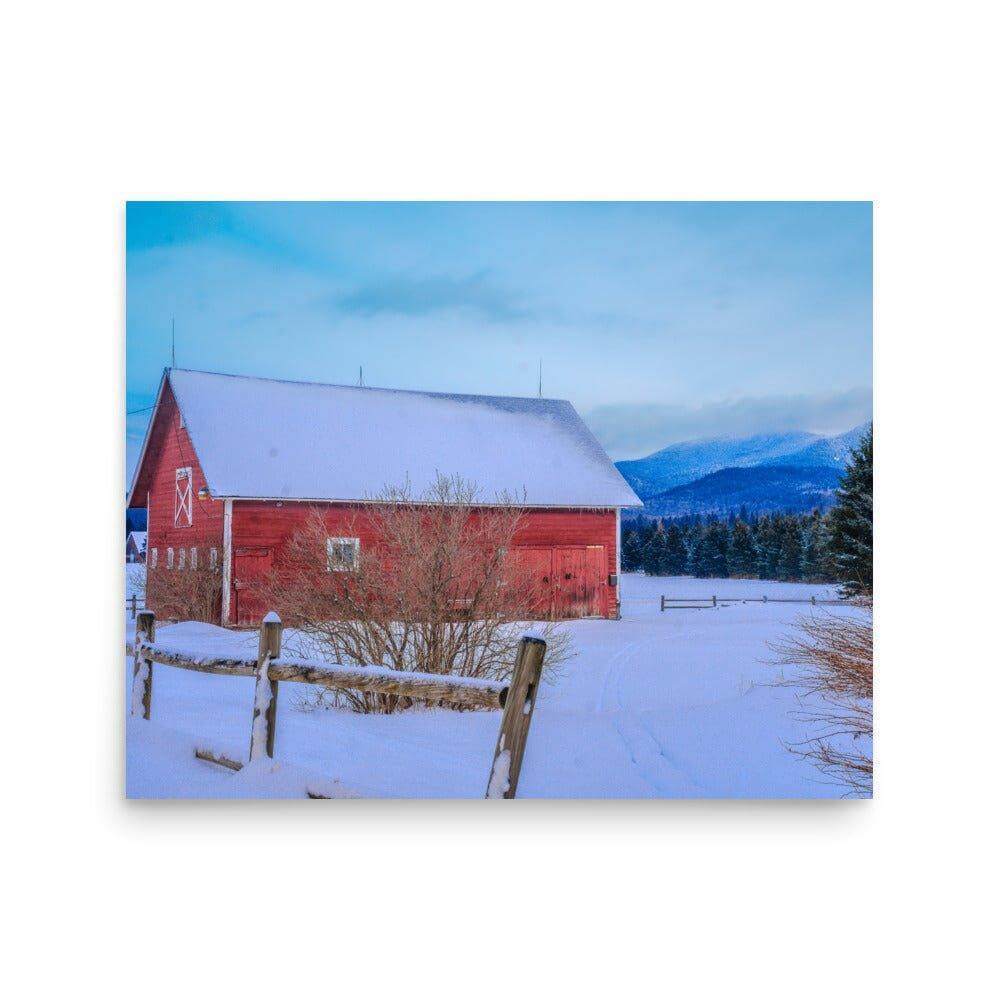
x=170 y=449
x=572 y=551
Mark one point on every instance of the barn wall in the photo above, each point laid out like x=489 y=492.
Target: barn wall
x=169 y=449
x=267 y=525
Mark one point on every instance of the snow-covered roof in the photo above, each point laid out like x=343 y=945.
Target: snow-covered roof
x=139 y=537
x=264 y=438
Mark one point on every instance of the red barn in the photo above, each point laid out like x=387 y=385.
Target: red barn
x=231 y=466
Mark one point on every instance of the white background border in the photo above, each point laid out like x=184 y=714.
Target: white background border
x=767 y=100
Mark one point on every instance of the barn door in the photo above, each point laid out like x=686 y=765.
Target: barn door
x=536 y=565
x=568 y=565
x=579 y=577
x=597 y=593
x=251 y=564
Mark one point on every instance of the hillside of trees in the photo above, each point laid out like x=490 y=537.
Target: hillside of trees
x=816 y=547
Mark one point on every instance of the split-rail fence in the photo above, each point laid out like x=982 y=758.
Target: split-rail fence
x=270 y=667
x=696 y=603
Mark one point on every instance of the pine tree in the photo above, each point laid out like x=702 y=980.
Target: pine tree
x=790 y=556
x=632 y=552
x=768 y=539
x=814 y=548
x=654 y=552
x=675 y=552
x=710 y=556
x=742 y=552
x=851 y=542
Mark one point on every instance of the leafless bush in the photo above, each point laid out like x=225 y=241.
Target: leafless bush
x=435 y=591
x=184 y=594
x=834 y=655
x=135 y=582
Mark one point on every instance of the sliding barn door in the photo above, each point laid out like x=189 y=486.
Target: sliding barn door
x=535 y=563
x=570 y=581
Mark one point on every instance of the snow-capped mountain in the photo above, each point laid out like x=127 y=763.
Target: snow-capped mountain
x=761 y=489
x=690 y=460
x=833 y=452
x=766 y=472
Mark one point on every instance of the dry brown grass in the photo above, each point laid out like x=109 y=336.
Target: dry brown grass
x=184 y=594
x=834 y=658
x=437 y=593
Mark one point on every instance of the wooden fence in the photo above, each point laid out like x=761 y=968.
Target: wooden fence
x=698 y=603
x=517 y=699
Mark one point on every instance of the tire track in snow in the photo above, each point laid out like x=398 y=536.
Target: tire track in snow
x=653 y=764
x=614 y=672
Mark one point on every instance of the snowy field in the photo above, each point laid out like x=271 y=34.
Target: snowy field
x=674 y=704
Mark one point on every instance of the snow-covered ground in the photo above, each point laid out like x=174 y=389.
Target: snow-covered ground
x=668 y=704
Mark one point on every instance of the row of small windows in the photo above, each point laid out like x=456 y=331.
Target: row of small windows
x=184 y=558
x=341 y=556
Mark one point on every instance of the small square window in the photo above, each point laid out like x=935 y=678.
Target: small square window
x=153 y=557
x=194 y=557
x=170 y=558
x=213 y=558
x=342 y=554
x=181 y=558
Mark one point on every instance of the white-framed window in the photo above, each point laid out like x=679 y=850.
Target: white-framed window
x=194 y=557
x=342 y=554
x=183 y=499
x=181 y=558
x=170 y=557
x=153 y=555
x=213 y=558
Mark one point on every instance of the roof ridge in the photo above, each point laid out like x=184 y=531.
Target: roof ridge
x=368 y=388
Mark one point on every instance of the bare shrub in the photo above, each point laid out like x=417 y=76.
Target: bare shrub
x=835 y=657
x=437 y=591
x=135 y=582
x=184 y=594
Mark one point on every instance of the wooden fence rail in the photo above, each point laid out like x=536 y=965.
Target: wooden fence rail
x=696 y=603
x=269 y=667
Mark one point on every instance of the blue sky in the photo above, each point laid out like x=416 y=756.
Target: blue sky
x=660 y=321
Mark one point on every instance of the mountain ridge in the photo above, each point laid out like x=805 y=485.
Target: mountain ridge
x=688 y=461
x=765 y=473
x=760 y=489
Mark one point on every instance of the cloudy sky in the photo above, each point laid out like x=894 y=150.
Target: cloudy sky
x=661 y=322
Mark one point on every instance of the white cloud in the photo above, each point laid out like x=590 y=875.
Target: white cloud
x=632 y=430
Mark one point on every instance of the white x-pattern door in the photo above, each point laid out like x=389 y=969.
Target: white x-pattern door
x=182 y=499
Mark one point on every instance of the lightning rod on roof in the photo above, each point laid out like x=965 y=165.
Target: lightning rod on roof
x=173 y=343
x=361 y=376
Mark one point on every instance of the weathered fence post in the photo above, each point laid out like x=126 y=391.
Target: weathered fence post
x=663 y=602
x=142 y=666
x=265 y=694
x=714 y=602
x=133 y=607
x=517 y=711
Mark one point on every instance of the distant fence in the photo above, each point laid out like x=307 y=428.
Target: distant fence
x=517 y=699
x=698 y=603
